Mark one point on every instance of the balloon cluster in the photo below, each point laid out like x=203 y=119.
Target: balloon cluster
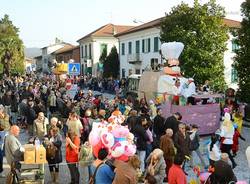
x=114 y=137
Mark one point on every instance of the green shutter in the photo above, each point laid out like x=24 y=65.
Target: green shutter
x=148 y=44
x=123 y=49
x=130 y=47
x=137 y=46
x=143 y=45
x=156 y=44
x=90 y=54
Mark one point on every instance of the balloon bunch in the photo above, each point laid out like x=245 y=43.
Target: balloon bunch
x=114 y=137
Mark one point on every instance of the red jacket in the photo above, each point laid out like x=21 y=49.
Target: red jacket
x=72 y=154
x=176 y=175
x=235 y=146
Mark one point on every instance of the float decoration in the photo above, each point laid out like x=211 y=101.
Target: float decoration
x=114 y=137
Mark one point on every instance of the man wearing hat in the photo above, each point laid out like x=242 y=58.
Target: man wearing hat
x=188 y=90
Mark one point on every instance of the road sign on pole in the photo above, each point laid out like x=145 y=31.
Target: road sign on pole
x=74 y=68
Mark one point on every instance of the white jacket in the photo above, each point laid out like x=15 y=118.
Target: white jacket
x=215 y=154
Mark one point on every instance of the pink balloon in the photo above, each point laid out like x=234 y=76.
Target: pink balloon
x=130 y=150
x=241 y=182
x=204 y=176
x=120 y=131
x=94 y=138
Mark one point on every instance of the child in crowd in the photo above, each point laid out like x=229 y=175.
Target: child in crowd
x=236 y=137
x=213 y=150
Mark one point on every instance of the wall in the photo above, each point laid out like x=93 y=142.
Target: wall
x=144 y=57
x=95 y=50
x=228 y=61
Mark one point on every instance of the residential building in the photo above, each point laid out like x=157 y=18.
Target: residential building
x=139 y=50
x=39 y=63
x=67 y=54
x=93 y=44
x=48 y=56
x=30 y=65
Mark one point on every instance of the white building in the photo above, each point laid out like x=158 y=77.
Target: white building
x=93 y=44
x=47 y=54
x=139 y=50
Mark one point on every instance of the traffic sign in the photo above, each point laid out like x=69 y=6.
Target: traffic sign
x=74 y=68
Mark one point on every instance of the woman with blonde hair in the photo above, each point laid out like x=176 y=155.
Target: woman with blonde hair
x=53 y=143
x=126 y=172
x=156 y=165
x=227 y=133
x=167 y=146
x=4 y=119
x=72 y=152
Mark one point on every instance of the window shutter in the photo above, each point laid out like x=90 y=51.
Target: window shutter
x=143 y=45
x=148 y=44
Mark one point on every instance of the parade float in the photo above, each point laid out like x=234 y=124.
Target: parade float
x=166 y=87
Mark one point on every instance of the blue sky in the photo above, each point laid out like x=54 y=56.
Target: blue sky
x=40 y=21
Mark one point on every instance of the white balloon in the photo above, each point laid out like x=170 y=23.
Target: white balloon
x=107 y=139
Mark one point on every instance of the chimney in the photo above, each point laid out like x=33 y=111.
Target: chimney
x=114 y=30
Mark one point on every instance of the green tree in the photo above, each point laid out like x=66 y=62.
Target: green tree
x=11 y=48
x=204 y=35
x=242 y=59
x=102 y=60
x=111 y=64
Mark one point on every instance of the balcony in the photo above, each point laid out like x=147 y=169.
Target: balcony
x=134 y=58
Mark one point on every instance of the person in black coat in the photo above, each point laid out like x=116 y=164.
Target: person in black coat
x=158 y=127
x=30 y=116
x=223 y=173
x=173 y=122
x=141 y=140
x=54 y=138
x=182 y=142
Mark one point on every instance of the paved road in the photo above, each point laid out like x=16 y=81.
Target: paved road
x=242 y=171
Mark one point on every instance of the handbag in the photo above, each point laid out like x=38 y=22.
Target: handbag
x=85 y=155
x=92 y=178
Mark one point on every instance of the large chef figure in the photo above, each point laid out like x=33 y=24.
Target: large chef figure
x=172 y=83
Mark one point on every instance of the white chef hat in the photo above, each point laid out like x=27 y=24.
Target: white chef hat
x=172 y=50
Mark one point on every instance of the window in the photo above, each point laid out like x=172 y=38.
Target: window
x=86 y=51
x=103 y=47
x=234 y=75
x=90 y=54
x=81 y=51
x=129 y=47
x=138 y=71
x=146 y=45
x=143 y=46
x=156 y=44
x=137 y=46
x=154 y=63
x=123 y=73
x=123 y=49
x=130 y=72
x=235 y=46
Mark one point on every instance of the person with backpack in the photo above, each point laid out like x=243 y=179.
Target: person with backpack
x=53 y=145
x=101 y=171
x=194 y=145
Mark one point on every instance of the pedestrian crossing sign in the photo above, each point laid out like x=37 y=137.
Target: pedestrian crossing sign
x=74 y=69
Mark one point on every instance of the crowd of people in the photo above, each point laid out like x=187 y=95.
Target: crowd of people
x=165 y=147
